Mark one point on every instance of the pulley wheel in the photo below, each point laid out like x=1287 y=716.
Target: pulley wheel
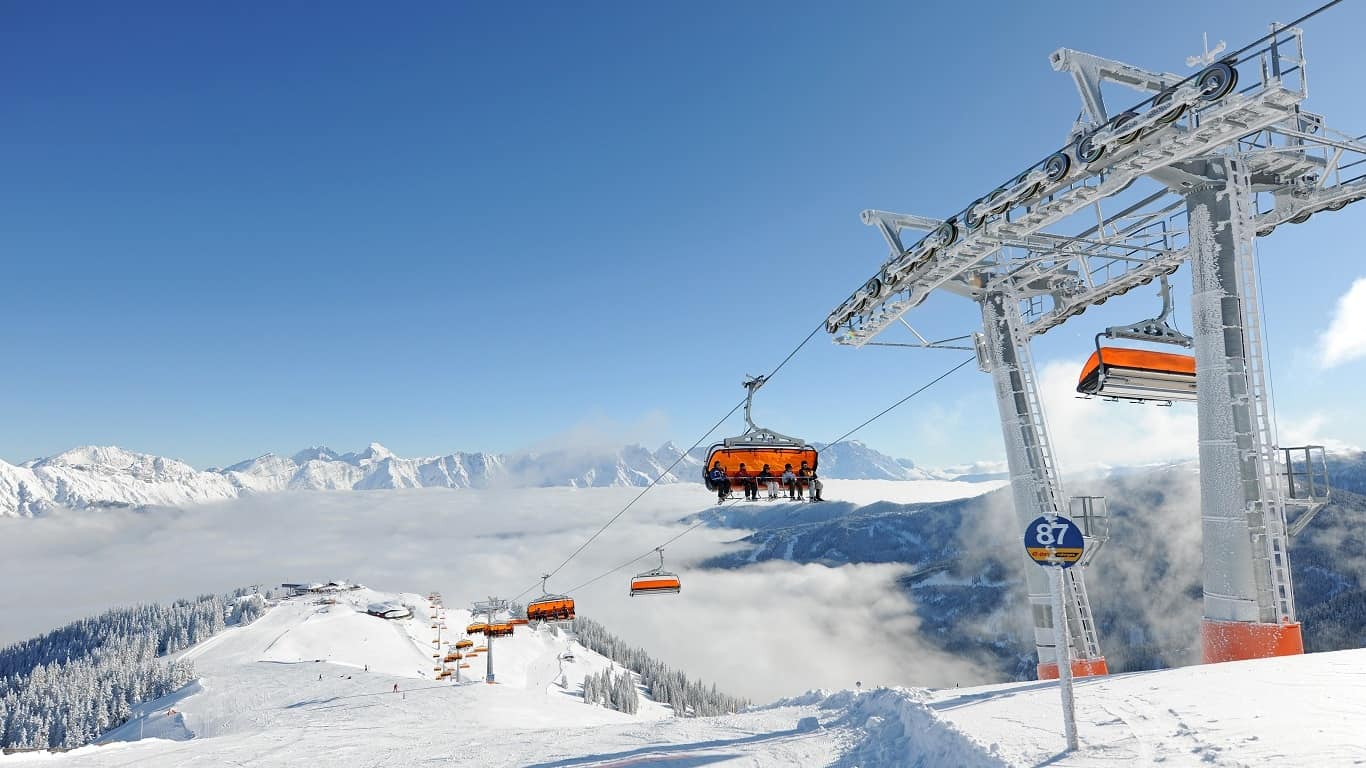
x=944 y=235
x=1217 y=81
x=1057 y=166
x=1160 y=103
x=1120 y=121
x=971 y=220
x=1088 y=151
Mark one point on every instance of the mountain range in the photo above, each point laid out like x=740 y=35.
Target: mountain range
x=93 y=476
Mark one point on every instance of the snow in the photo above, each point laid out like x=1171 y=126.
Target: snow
x=293 y=688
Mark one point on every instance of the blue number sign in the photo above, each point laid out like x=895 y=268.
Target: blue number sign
x=1054 y=541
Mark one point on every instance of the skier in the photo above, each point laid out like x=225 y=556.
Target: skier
x=790 y=481
x=395 y=687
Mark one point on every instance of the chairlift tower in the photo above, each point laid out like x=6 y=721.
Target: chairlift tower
x=489 y=607
x=1193 y=173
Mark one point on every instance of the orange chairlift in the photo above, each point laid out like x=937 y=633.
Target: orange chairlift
x=756 y=447
x=657 y=581
x=463 y=644
x=499 y=629
x=464 y=666
x=1140 y=375
x=477 y=628
x=550 y=607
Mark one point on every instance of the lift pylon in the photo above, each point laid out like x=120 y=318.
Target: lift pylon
x=1249 y=597
x=1194 y=172
x=1035 y=485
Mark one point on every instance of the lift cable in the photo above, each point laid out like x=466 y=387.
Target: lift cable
x=1279 y=28
x=670 y=468
x=893 y=406
x=703 y=518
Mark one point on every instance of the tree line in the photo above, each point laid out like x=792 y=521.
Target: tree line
x=689 y=698
x=67 y=687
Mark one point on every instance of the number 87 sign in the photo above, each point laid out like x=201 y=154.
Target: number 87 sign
x=1054 y=541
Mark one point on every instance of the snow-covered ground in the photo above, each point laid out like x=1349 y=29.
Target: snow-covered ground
x=293 y=689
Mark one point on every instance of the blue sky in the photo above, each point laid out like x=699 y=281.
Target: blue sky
x=236 y=228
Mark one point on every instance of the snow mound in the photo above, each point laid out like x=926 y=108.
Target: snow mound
x=899 y=729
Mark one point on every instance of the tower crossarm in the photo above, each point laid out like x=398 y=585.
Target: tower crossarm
x=1089 y=71
x=1159 y=134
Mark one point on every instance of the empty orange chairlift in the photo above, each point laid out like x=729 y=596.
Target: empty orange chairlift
x=657 y=581
x=1137 y=374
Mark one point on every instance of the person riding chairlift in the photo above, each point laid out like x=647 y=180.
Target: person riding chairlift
x=790 y=481
x=806 y=480
x=770 y=482
x=813 y=483
x=751 y=487
x=719 y=481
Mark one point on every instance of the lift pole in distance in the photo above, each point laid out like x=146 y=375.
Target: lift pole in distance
x=1055 y=542
x=488 y=608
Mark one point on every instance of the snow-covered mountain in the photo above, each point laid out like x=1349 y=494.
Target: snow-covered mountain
x=109 y=476
x=105 y=476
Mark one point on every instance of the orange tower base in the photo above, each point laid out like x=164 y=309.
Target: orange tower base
x=1080 y=668
x=1239 y=640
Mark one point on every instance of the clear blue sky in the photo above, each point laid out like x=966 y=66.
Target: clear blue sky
x=228 y=228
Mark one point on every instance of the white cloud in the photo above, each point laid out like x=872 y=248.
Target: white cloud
x=1345 y=339
x=1312 y=430
x=1087 y=433
x=767 y=631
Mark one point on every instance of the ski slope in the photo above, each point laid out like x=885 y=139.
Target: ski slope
x=293 y=688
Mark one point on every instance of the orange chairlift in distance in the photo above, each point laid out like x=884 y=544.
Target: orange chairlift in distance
x=1121 y=373
x=549 y=607
x=756 y=447
x=657 y=581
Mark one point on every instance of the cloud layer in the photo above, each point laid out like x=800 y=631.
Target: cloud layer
x=773 y=630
